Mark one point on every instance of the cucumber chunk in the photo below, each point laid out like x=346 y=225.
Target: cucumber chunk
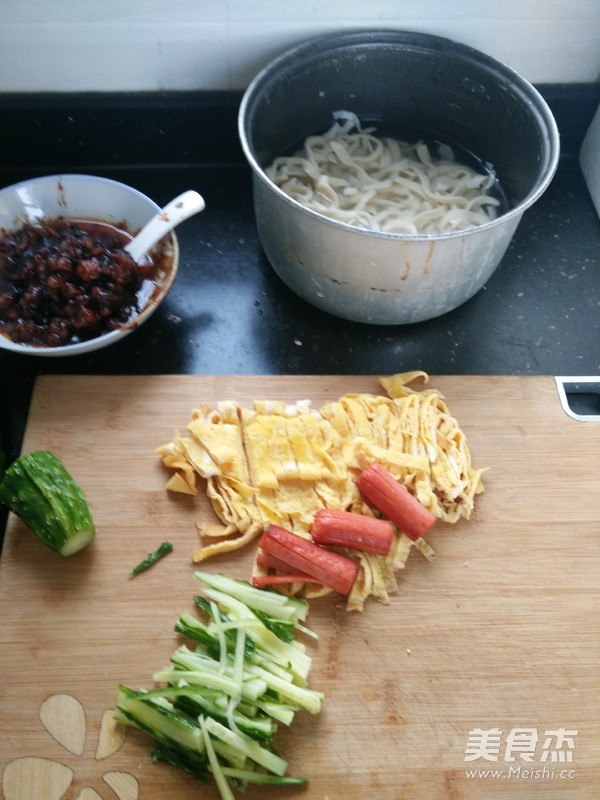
x=38 y=489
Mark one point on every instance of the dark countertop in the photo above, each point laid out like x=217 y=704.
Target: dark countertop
x=229 y=313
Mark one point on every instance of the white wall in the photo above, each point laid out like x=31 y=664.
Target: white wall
x=116 y=45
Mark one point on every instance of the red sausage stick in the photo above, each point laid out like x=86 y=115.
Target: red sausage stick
x=346 y=529
x=324 y=566
x=382 y=491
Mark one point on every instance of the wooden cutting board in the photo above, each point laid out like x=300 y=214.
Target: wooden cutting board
x=481 y=679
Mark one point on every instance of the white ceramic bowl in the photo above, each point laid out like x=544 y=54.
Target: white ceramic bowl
x=93 y=198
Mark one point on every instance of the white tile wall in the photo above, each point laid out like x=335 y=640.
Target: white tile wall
x=117 y=45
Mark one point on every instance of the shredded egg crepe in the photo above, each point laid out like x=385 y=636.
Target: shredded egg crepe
x=278 y=463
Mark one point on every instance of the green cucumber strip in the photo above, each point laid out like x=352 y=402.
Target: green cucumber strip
x=199 y=678
x=239 y=657
x=198 y=631
x=251 y=689
x=248 y=709
x=215 y=766
x=164 y=724
x=230 y=754
x=152 y=558
x=276 y=669
x=293 y=653
x=244 y=744
x=172 y=693
x=309 y=699
x=282 y=712
x=273 y=604
x=195 y=630
x=261 y=778
x=260 y=728
x=283 y=629
x=183 y=759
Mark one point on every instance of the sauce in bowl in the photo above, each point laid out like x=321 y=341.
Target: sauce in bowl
x=64 y=281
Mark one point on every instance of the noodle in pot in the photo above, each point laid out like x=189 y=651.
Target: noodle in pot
x=383 y=184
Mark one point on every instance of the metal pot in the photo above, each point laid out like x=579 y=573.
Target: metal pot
x=402 y=82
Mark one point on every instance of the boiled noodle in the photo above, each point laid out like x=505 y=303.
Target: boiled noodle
x=384 y=184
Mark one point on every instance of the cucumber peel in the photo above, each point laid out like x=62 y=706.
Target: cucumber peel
x=38 y=489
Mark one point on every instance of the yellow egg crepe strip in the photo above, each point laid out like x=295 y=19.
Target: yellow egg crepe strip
x=278 y=463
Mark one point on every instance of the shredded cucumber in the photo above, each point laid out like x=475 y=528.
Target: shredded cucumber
x=219 y=711
x=274 y=604
x=38 y=489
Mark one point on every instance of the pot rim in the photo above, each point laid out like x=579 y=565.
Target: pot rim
x=302 y=53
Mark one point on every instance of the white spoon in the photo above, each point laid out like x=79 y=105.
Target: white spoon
x=178 y=210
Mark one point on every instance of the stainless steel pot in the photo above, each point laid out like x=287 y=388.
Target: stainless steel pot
x=402 y=82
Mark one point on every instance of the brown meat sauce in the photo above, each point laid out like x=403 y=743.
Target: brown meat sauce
x=65 y=281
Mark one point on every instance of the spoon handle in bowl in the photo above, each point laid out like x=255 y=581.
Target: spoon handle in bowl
x=178 y=210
